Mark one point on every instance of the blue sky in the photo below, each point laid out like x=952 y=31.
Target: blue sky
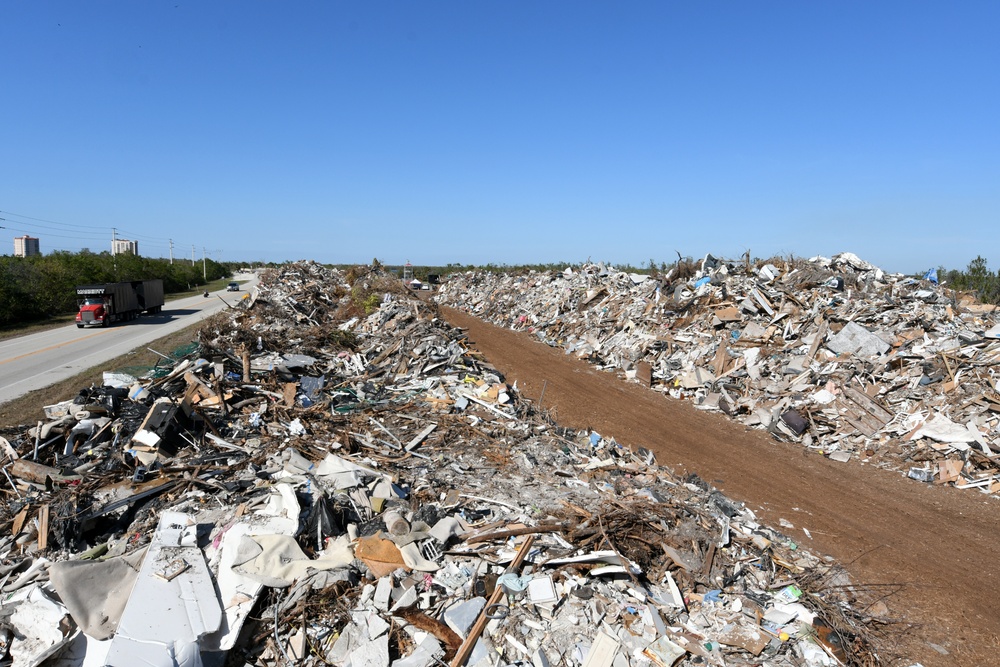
x=504 y=132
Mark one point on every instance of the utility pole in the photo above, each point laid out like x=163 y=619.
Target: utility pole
x=114 y=233
x=204 y=271
x=171 y=251
x=192 y=254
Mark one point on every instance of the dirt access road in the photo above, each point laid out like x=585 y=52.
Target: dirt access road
x=942 y=543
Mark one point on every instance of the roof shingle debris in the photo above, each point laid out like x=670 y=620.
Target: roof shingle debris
x=832 y=353
x=319 y=485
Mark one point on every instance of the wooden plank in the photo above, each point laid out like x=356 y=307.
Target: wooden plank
x=18 y=523
x=860 y=419
x=820 y=335
x=729 y=314
x=719 y=363
x=288 y=393
x=420 y=437
x=470 y=640
x=43 y=527
x=644 y=373
x=385 y=354
x=949 y=470
x=862 y=412
x=706 y=568
x=869 y=405
x=245 y=358
x=859 y=425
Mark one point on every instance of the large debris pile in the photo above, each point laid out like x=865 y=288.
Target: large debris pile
x=322 y=486
x=833 y=353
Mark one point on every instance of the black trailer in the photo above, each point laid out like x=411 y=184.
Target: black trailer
x=104 y=304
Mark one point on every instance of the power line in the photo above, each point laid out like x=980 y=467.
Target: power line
x=148 y=242
x=53 y=222
x=67 y=224
x=47 y=235
x=141 y=237
x=36 y=225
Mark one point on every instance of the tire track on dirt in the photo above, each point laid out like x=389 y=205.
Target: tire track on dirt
x=942 y=543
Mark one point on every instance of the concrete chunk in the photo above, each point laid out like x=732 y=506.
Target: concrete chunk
x=855 y=339
x=462 y=617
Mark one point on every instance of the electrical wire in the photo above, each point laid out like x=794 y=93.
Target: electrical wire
x=141 y=237
x=58 y=236
x=53 y=222
x=155 y=243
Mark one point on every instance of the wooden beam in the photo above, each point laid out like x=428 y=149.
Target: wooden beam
x=470 y=641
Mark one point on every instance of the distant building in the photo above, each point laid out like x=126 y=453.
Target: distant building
x=26 y=246
x=124 y=247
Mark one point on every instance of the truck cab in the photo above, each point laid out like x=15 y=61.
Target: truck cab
x=93 y=312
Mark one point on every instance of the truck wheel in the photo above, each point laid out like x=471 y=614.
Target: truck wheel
x=79 y=326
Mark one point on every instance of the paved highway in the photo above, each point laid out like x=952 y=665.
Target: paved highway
x=36 y=361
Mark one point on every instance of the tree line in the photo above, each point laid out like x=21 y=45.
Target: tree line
x=42 y=286
x=976 y=279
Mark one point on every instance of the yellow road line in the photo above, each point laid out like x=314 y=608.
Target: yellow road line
x=53 y=347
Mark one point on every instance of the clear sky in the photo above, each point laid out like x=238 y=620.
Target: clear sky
x=504 y=132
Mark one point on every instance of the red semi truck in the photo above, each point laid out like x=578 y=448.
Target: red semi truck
x=105 y=304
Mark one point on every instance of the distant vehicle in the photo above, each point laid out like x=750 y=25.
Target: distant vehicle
x=233 y=287
x=107 y=303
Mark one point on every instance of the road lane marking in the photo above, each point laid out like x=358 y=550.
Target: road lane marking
x=53 y=347
x=14 y=341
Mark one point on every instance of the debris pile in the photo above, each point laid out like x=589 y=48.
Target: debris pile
x=336 y=479
x=833 y=353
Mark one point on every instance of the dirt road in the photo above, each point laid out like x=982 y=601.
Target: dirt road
x=941 y=543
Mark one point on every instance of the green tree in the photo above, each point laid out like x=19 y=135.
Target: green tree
x=979 y=274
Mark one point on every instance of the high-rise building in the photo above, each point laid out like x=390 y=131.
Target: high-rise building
x=124 y=247
x=26 y=246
